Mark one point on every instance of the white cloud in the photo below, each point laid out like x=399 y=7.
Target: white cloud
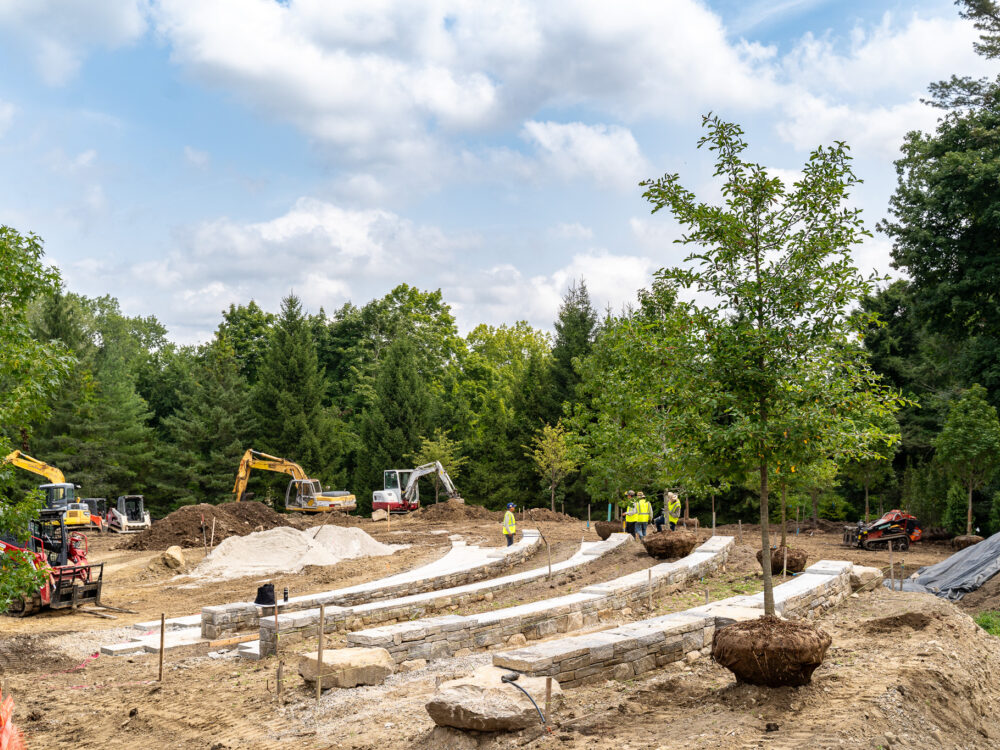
x=571 y=231
x=58 y=33
x=196 y=157
x=606 y=154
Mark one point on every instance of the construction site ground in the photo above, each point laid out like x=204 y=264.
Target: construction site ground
x=905 y=670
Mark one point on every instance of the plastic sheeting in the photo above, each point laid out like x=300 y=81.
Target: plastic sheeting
x=961 y=573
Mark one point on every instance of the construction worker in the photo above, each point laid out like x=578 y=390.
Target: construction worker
x=671 y=512
x=644 y=514
x=631 y=513
x=509 y=524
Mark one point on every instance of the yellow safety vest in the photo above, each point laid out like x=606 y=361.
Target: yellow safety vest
x=645 y=511
x=674 y=511
x=509 y=525
x=630 y=513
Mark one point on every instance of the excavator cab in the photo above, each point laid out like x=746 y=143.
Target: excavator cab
x=390 y=498
x=307 y=495
x=59 y=495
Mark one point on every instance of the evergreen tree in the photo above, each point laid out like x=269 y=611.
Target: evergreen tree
x=288 y=399
x=391 y=427
x=210 y=429
x=247 y=329
x=575 y=329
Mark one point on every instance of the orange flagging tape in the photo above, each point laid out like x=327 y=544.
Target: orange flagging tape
x=10 y=736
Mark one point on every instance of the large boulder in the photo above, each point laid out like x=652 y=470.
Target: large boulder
x=605 y=529
x=482 y=702
x=797 y=559
x=348 y=667
x=380 y=515
x=669 y=545
x=862 y=576
x=173 y=557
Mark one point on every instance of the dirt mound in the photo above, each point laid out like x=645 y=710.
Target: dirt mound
x=797 y=559
x=183 y=526
x=669 y=545
x=445 y=512
x=545 y=514
x=914 y=620
x=771 y=652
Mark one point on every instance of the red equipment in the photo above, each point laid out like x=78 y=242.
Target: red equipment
x=72 y=580
x=896 y=526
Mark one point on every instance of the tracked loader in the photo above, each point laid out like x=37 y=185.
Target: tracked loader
x=896 y=526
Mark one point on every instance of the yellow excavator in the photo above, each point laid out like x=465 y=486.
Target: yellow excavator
x=59 y=494
x=303 y=494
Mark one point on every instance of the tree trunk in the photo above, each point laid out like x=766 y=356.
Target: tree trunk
x=866 y=501
x=553 y=497
x=968 y=521
x=24 y=440
x=687 y=511
x=815 y=496
x=437 y=487
x=765 y=542
x=784 y=522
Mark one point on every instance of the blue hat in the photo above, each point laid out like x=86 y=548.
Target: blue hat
x=510 y=505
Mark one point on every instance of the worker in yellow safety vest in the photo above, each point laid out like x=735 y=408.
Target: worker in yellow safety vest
x=509 y=524
x=671 y=512
x=643 y=515
x=631 y=512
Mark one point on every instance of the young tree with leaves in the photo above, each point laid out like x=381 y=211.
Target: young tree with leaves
x=440 y=447
x=969 y=443
x=771 y=357
x=554 y=457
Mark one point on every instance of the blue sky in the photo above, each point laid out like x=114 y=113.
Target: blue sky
x=185 y=154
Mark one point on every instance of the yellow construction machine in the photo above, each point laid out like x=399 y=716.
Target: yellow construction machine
x=303 y=494
x=59 y=494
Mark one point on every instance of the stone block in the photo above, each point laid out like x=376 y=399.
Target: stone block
x=347 y=667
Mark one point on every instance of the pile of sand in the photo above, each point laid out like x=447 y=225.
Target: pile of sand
x=287 y=550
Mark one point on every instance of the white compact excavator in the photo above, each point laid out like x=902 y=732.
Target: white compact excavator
x=400 y=492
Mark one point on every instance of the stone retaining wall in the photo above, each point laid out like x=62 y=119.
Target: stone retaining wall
x=224 y=620
x=294 y=626
x=638 y=647
x=440 y=637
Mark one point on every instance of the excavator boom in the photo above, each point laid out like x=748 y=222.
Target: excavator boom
x=35 y=466
x=303 y=494
x=256 y=460
x=422 y=471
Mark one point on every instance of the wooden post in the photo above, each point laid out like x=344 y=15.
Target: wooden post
x=388 y=515
x=588 y=516
x=740 y=521
x=204 y=541
x=713 y=515
x=548 y=553
x=163 y=634
x=784 y=565
x=281 y=674
x=319 y=653
x=797 y=509
x=650 y=573
x=211 y=542
x=892 y=571
x=706 y=595
x=548 y=698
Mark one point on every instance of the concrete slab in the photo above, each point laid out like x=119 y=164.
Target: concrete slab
x=122 y=649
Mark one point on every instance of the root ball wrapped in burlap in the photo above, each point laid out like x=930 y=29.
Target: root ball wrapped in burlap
x=605 y=529
x=669 y=545
x=771 y=652
x=796 y=559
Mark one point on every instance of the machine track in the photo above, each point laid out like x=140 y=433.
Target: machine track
x=25 y=606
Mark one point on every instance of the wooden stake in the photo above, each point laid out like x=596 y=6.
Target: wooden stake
x=281 y=673
x=204 y=540
x=211 y=542
x=163 y=635
x=388 y=515
x=319 y=653
x=548 y=698
x=784 y=565
x=741 y=530
x=548 y=553
x=650 y=573
x=892 y=571
x=706 y=595
x=588 y=516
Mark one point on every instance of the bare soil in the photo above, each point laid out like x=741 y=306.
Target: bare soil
x=905 y=670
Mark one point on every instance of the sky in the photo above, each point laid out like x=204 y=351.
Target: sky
x=184 y=155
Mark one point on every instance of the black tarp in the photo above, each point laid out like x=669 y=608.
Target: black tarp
x=961 y=573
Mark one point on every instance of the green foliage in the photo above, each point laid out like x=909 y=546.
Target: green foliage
x=554 y=457
x=210 y=430
x=969 y=443
x=955 y=509
x=989 y=621
x=768 y=371
x=440 y=447
x=392 y=426
x=246 y=329
x=288 y=402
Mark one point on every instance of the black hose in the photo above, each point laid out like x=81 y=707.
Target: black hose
x=510 y=679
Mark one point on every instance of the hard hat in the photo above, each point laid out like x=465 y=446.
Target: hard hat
x=510 y=506
x=641 y=494
x=630 y=493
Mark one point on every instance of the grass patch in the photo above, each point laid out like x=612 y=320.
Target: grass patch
x=989 y=621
